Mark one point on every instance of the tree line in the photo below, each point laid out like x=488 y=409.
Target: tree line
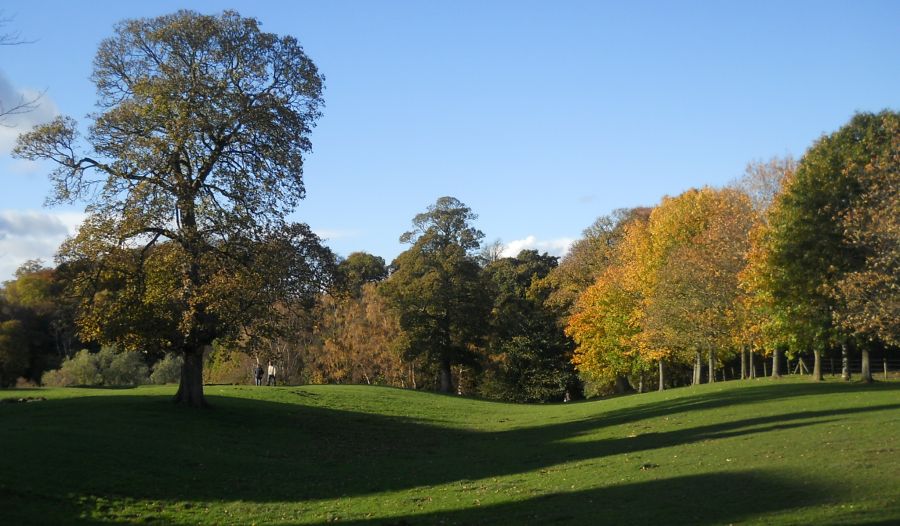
x=195 y=160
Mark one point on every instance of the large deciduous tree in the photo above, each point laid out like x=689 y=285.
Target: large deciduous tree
x=437 y=288
x=358 y=337
x=589 y=257
x=189 y=168
x=869 y=296
x=701 y=239
x=809 y=259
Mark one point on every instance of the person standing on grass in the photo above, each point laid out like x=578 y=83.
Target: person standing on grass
x=271 y=371
x=258 y=373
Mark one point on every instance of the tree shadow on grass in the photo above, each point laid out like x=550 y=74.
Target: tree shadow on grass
x=139 y=447
x=715 y=498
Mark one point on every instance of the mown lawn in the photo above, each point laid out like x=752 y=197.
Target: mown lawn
x=757 y=452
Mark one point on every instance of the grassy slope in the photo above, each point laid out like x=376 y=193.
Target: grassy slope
x=741 y=452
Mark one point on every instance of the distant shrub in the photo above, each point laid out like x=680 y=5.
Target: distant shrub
x=122 y=368
x=55 y=378
x=23 y=382
x=81 y=369
x=167 y=370
x=108 y=368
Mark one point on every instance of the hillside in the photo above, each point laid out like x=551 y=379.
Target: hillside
x=739 y=452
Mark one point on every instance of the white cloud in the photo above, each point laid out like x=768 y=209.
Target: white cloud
x=554 y=247
x=29 y=234
x=333 y=233
x=12 y=125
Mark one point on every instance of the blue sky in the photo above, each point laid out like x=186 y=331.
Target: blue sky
x=541 y=116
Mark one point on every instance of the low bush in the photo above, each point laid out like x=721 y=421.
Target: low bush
x=167 y=370
x=109 y=367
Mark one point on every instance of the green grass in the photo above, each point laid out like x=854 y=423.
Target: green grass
x=757 y=452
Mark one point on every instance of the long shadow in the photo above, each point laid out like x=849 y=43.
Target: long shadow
x=139 y=447
x=717 y=498
x=764 y=390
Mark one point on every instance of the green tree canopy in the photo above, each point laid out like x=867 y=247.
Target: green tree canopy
x=360 y=268
x=529 y=356
x=446 y=222
x=437 y=289
x=806 y=251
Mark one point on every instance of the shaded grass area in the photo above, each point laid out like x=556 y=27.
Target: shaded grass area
x=750 y=452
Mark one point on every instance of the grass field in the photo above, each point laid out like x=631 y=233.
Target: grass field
x=753 y=452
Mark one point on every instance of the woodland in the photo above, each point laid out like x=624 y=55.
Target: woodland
x=187 y=269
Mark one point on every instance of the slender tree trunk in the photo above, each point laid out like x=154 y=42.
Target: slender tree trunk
x=845 y=363
x=866 y=372
x=765 y=368
x=662 y=376
x=641 y=383
x=712 y=367
x=190 y=390
x=817 y=365
x=776 y=363
x=751 y=364
x=743 y=362
x=884 y=363
x=698 y=366
x=446 y=377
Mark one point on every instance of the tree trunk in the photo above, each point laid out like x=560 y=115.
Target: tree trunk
x=750 y=363
x=641 y=383
x=712 y=367
x=698 y=366
x=845 y=363
x=743 y=363
x=884 y=363
x=190 y=389
x=765 y=368
x=866 y=372
x=776 y=363
x=817 y=365
x=622 y=386
x=446 y=377
x=662 y=376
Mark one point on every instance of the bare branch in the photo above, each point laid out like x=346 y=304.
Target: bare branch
x=14 y=38
x=24 y=105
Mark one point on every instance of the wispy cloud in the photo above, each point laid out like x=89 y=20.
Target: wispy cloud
x=335 y=233
x=31 y=234
x=554 y=247
x=12 y=125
